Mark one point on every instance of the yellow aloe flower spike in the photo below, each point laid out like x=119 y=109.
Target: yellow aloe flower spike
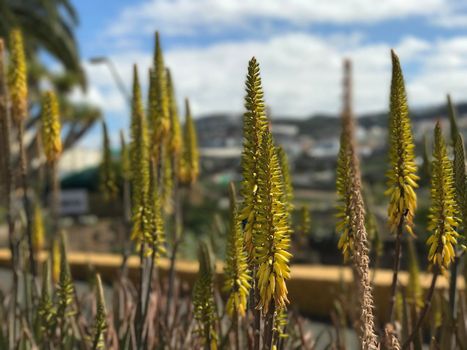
x=51 y=129
x=140 y=178
x=272 y=231
x=38 y=231
x=402 y=178
x=175 y=140
x=17 y=77
x=444 y=214
x=190 y=157
x=237 y=276
x=159 y=114
x=254 y=125
x=108 y=178
x=157 y=238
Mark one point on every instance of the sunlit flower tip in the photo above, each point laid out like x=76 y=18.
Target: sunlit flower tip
x=51 y=129
x=402 y=178
x=17 y=76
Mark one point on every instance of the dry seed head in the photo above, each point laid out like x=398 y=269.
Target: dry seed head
x=50 y=119
x=402 y=178
x=17 y=77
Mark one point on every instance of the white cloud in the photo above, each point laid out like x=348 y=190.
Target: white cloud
x=191 y=17
x=301 y=73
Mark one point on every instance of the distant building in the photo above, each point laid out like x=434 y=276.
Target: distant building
x=77 y=159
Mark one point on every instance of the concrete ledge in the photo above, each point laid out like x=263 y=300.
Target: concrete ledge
x=312 y=288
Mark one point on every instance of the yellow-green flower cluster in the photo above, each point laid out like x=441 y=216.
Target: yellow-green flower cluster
x=108 y=178
x=288 y=188
x=343 y=226
x=17 y=77
x=443 y=217
x=159 y=105
x=38 y=231
x=254 y=125
x=189 y=171
x=175 y=140
x=205 y=311
x=272 y=231
x=237 y=276
x=402 y=178
x=50 y=119
x=139 y=155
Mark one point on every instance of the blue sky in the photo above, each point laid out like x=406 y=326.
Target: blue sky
x=300 y=45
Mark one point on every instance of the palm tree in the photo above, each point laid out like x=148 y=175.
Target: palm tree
x=48 y=25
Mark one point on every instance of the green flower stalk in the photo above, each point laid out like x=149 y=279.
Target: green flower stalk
x=254 y=126
x=38 y=230
x=444 y=214
x=205 y=311
x=346 y=240
x=51 y=129
x=65 y=293
x=100 y=325
x=414 y=288
x=288 y=188
x=159 y=104
x=237 y=276
x=157 y=240
x=272 y=231
x=56 y=258
x=304 y=226
x=46 y=309
x=140 y=178
x=452 y=119
x=108 y=178
x=190 y=158
x=17 y=77
x=460 y=178
x=402 y=178
x=175 y=140
x=168 y=186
